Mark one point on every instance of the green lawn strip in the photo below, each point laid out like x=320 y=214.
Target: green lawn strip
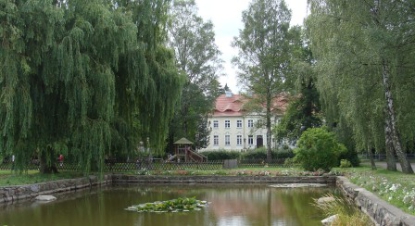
x=394 y=187
x=8 y=178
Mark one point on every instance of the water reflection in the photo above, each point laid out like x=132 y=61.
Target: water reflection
x=229 y=205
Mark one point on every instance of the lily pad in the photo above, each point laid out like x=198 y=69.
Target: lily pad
x=174 y=205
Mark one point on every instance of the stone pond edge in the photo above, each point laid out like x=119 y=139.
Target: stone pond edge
x=381 y=212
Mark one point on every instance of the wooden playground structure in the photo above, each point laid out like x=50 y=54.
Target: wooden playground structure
x=183 y=152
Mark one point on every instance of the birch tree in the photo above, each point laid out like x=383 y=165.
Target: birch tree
x=365 y=59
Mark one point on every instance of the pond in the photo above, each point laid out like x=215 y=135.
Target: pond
x=229 y=205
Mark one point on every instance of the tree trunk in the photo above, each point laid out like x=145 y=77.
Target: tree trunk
x=44 y=166
x=269 y=148
x=390 y=117
x=269 y=132
x=371 y=158
x=389 y=150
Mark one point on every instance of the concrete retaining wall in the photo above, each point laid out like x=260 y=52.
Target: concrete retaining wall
x=132 y=179
x=381 y=212
x=20 y=192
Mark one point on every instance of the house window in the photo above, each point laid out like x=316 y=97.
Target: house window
x=250 y=123
x=227 y=140
x=250 y=140
x=228 y=124
x=216 y=140
x=238 y=123
x=239 y=140
x=215 y=124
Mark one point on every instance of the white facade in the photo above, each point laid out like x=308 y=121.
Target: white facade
x=231 y=129
x=236 y=133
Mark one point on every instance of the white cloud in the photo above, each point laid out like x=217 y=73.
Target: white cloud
x=226 y=15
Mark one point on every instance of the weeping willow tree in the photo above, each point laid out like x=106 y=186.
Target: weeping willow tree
x=148 y=79
x=365 y=66
x=81 y=78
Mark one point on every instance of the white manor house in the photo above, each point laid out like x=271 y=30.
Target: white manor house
x=234 y=129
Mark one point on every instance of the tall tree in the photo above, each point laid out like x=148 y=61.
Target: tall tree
x=72 y=70
x=149 y=83
x=304 y=108
x=197 y=56
x=360 y=49
x=263 y=58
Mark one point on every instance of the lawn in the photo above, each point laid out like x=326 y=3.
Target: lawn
x=8 y=178
x=394 y=187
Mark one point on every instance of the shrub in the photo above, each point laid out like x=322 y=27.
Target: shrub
x=261 y=153
x=221 y=155
x=318 y=149
x=289 y=162
x=344 y=163
x=352 y=156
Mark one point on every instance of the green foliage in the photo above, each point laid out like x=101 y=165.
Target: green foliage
x=345 y=213
x=363 y=76
x=318 y=149
x=351 y=156
x=301 y=115
x=304 y=106
x=289 y=162
x=221 y=155
x=174 y=205
x=257 y=154
x=197 y=58
x=344 y=163
x=264 y=57
x=261 y=153
x=84 y=78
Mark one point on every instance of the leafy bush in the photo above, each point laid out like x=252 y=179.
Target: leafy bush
x=289 y=162
x=261 y=153
x=221 y=155
x=318 y=149
x=344 y=163
x=351 y=156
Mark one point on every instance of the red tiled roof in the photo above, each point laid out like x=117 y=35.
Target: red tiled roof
x=233 y=105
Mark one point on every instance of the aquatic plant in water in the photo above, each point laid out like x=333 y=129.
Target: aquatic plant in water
x=174 y=205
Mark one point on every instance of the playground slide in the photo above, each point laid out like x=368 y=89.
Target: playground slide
x=171 y=158
x=196 y=156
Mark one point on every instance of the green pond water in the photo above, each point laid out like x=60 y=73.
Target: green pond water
x=229 y=205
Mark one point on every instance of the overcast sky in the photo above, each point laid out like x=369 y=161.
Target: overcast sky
x=226 y=15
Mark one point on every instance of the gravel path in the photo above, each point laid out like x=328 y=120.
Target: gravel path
x=398 y=166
